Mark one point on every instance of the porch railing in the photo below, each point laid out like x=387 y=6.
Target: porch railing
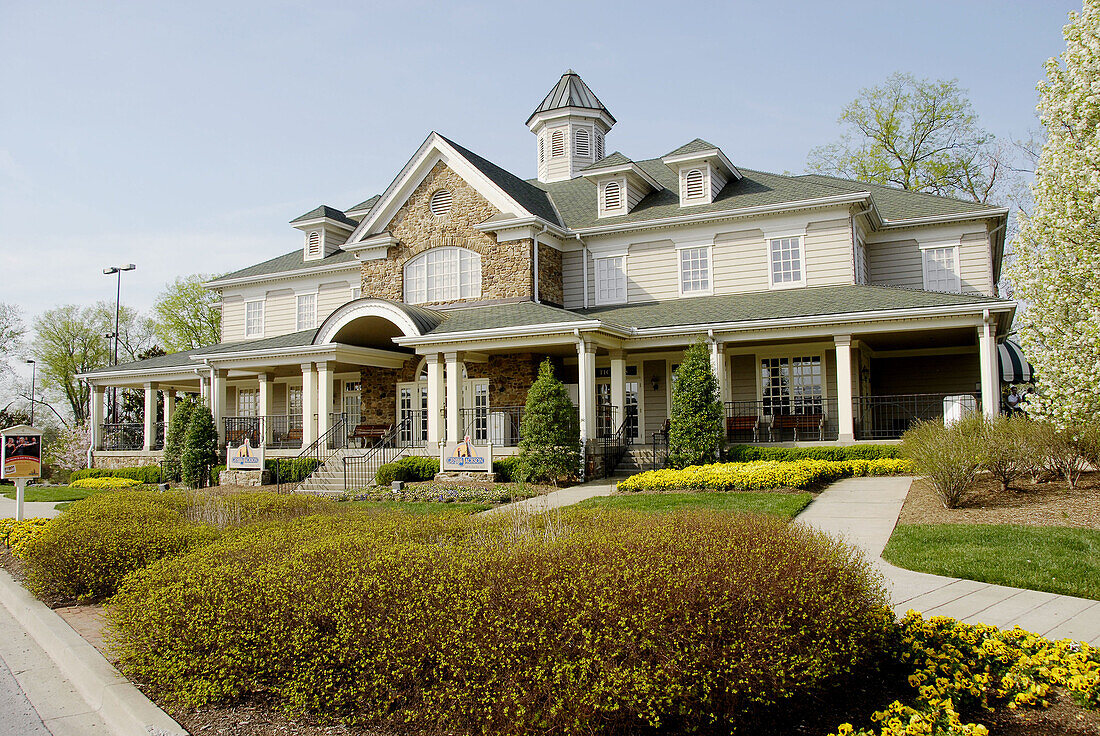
x=614 y=446
x=887 y=417
x=241 y=429
x=158 y=444
x=123 y=435
x=502 y=425
x=323 y=449
x=813 y=419
x=360 y=469
x=284 y=431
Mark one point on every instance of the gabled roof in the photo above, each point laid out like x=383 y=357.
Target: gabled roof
x=901 y=204
x=365 y=205
x=292 y=261
x=325 y=211
x=614 y=159
x=694 y=146
x=570 y=91
x=533 y=199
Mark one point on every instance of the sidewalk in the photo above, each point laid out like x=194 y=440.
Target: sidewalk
x=557 y=499
x=863 y=511
x=39 y=509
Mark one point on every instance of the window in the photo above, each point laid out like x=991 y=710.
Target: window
x=791 y=385
x=307 y=311
x=246 y=402
x=314 y=248
x=557 y=143
x=941 y=271
x=693 y=184
x=695 y=270
x=786 y=261
x=442 y=275
x=294 y=403
x=441 y=203
x=253 y=318
x=611 y=280
x=582 y=145
x=599 y=145
x=612 y=195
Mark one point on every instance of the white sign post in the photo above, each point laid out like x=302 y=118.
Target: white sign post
x=21 y=460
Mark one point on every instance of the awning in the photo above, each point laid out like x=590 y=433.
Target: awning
x=1014 y=367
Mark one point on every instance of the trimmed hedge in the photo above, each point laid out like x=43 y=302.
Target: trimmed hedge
x=143 y=474
x=626 y=623
x=752 y=453
x=103 y=483
x=506 y=468
x=760 y=476
x=291 y=469
x=410 y=468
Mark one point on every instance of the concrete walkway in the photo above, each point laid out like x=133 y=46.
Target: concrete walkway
x=38 y=509
x=863 y=511
x=557 y=499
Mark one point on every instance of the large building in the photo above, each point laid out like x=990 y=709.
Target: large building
x=834 y=310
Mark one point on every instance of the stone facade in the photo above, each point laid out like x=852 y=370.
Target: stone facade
x=551 y=289
x=251 y=478
x=115 y=460
x=378 y=404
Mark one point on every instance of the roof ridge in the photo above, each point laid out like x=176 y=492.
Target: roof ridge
x=897 y=189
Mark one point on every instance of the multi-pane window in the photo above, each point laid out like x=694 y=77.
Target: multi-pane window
x=611 y=280
x=294 y=407
x=479 y=426
x=307 y=311
x=693 y=184
x=786 y=260
x=443 y=274
x=557 y=143
x=412 y=406
x=612 y=195
x=791 y=385
x=246 y=402
x=694 y=270
x=582 y=143
x=941 y=272
x=253 y=319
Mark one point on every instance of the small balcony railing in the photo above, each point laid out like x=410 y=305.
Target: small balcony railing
x=123 y=435
x=887 y=417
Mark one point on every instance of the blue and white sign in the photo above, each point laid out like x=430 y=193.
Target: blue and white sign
x=466 y=457
x=245 y=457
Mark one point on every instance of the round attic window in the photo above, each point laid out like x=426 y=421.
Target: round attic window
x=441 y=203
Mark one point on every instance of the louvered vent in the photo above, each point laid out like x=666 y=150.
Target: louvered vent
x=314 y=245
x=693 y=184
x=599 y=146
x=542 y=149
x=441 y=203
x=612 y=196
x=557 y=144
x=582 y=145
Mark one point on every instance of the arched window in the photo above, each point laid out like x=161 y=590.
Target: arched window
x=599 y=146
x=557 y=143
x=314 y=248
x=582 y=145
x=443 y=275
x=693 y=184
x=612 y=196
x=441 y=203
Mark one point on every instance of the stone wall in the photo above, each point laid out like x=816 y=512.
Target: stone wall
x=551 y=289
x=117 y=459
x=506 y=268
x=378 y=404
x=510 y=377
x=253 y=478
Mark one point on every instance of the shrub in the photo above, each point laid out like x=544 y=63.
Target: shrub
x=216 y=475
x=507 y=469
x=1071 y=449
x=291 y=469
x=15 y=535
x=949 y=457
x=695 y=423
x=749 y=453
x=174 y=439
x=1003 y=447
x=629 y=622
x=759 y=476
x=104 y=482
x=409 y=468
x=200 y=447
x=143 y=474
x=1036 y=440
x=550 y=444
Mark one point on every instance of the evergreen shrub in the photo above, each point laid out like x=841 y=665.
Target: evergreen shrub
x=291 y=469
x=143 y=474
x=506 y=469
x=200 y=447
x=695 y=423
x=174 y=439
x=410 y=468
x=550 y=444
x=751 y=453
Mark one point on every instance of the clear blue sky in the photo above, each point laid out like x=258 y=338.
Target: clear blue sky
x=183 y=136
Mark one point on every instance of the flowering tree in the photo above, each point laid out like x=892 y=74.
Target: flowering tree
x=1057 y=268
x=70 y=450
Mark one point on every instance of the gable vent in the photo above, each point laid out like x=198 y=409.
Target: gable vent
x=693 y=184
x=314 y=243
x=612 y=196
x=582 y=145
x=542 y=149
x=441 y=203
x=557 y=143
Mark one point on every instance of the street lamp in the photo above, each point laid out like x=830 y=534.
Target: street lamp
x=114 y=355
x=34 y=370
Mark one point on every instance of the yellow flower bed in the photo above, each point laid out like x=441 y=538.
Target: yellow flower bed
x=15 y=535
x=761 y=475
x=971 y=666
x=101 y=483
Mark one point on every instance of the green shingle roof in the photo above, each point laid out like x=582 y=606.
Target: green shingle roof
x=615 y=159
x=530 y=197
x=366 y=204
x=172 y=360
x=900 y=204
x=291 y=340
x=694 y=146
x=293 y=261
x=325 y=211
x=515 y=314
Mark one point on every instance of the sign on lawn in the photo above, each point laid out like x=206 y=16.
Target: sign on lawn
x=22 y=453
x=245 y=457
x=466 y=457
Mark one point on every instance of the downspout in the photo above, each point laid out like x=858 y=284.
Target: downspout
x=858 y=214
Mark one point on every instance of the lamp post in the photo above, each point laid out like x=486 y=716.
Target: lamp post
x=114 y=354
x=34 y=371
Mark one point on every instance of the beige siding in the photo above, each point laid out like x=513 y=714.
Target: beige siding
x=896 y=263
x=280 y=313
x=829 y=253
x=232 y=319
x=740 y=262
x=975 y=263
x=651 y=272
x=331 y=297
x=634 y=195
x=931 y=374
x=655 y=402
x=743 y=378
x=718 y=181
x=572 y=272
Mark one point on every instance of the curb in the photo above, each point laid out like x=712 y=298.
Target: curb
x=121 y=705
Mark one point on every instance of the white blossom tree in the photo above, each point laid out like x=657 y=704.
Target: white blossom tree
x=1057 y=267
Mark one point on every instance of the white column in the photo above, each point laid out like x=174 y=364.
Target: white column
x=586 y=380
x=454 y=397
x=309 y=404
x=264 y=408
x=845 y=419
x=987 y=354
x=435 y=398
x=150 y=416
x=169 y=409
x=95 y=416
x=618 y=387
x=324 y=397
x=218 y=402
x=204 y=390
x=717 y=365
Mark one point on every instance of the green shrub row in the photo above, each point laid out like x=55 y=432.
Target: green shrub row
x=752 y=453
x=507 y=469
x=624 y=623
x=291 y=469
x=411 y=468
x=143 y=474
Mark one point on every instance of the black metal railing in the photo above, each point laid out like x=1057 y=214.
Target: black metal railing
x=605 y=420
x=123 y=435
x=614 y=445
x=239 y=430
x=887 y=417
x=360 y=470
x=284 y=431
x=321 y=451
x=810 y=420
x=158 y=443
x=660 y=448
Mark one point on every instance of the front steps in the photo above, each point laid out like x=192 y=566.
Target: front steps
x=328 y=479
x=638 y=458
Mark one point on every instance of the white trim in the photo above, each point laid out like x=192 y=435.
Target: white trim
x=713 y=153
x=281 y=275
x=924 y=255
x=351 y=311
x=628 y=168
x=626 y=280
x=298 y=309
x=263 y=316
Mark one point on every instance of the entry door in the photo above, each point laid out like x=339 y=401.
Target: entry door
x=353 y=398
x=605 y=419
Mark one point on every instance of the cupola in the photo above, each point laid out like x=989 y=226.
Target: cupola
x=326 y=229
x=570 y=125
x=702 y=170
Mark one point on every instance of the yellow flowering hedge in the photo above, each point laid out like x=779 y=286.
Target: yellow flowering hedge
x=761 y=475
x=16 y=534
x=973 y=666
x=104 y=482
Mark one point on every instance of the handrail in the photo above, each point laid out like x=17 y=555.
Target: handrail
x=616 y=444
x=385 y=450
x=319 y=450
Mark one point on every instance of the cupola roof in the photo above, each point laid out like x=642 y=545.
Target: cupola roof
x=570 y=91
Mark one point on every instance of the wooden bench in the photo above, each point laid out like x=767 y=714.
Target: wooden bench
x=748 y=423
x=289 y=438
x=369 y=432
x=801 y=423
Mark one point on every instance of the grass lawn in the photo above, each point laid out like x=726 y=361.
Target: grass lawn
x=777 y=504
x=53 y=493
x=423 y=507
x=1053 y=559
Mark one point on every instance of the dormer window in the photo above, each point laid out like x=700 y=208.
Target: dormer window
x=313 y=244
x=693 y=184
x=582 y=144
x=557 y=143
x=612 y=195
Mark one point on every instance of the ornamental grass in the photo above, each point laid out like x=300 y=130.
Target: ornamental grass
x=761 y=475
x=602 y=623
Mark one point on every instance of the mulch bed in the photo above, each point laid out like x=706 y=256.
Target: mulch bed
x=1044 y=504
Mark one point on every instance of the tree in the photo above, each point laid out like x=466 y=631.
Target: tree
x=550 y=447
x=174 y=438
x=695 y=426
x=1057 y=252
x=132 y=404
x=200 y=447
x=915 y=134
x=186 y=316
x=69 y=451
x=11 y=329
